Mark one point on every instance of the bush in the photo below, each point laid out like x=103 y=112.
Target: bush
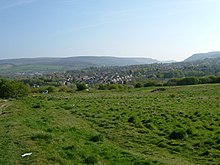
x=178 y=134
x=131 y=119
x=214 y=79
x=65 y=88
x=51 y=89
x=188 y=81
x=97 y=138
x=204 y=80
x=102 y=87
x=81 y=86
x=173 y=81
x=138 y=85
x=189 y=131
x=36 y=106
x=152 y=83
x=112 y=87
x=91 y=159
x=12 y=89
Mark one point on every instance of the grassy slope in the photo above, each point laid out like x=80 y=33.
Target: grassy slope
x=107 y=127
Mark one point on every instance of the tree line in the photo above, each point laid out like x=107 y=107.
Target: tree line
x=178 y=81
x=19 y=88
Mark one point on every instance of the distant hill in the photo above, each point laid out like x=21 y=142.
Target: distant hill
x=63 y=64
x=202 y=56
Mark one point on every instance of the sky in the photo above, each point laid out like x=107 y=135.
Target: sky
x=159 y=29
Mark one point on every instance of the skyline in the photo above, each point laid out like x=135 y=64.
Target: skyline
x=162 y=30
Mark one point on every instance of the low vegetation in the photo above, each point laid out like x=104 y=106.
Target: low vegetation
x=12 y=88
x=154 y=125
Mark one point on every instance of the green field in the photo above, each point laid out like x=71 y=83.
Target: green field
x=177 y=125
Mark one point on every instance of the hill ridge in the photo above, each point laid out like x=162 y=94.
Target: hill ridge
x=202 y=56
x=93 y=60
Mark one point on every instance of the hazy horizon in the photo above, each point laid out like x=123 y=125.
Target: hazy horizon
x=163 y=30
x=82 y=56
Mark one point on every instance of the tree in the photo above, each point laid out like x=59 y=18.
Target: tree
x=9 y=89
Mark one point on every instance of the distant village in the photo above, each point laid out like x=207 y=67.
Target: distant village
x=121 y=75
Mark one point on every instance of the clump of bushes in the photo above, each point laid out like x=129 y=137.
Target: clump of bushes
x=116 y=86
x=12 y=88
x=193 y=80
x=51 y=89
x=102 y=87
x=152 y=82
x=67 y=88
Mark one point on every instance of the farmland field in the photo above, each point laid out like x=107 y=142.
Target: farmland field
x=171 y=125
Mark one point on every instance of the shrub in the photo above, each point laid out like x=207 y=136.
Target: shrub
x=173 y=82
x=188 y=81
x=12 y=89
x=91 y=160
x=40 y=89
x=131 y=119
x=189 y=131
x=51 y=89
x=36 y=105
x=178 y=134
x=64 y=88
x=204 y=80
x=81 y=86
x=214 y=79
x=97 y=138
x=102 y=87
x=138 y=85
x=152 y=82
x=115 y=86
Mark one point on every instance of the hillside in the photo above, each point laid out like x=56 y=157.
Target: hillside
x=62 y=64
x=179 y=125
x=80 y=60
x=202 y=56
x=93 y=69
x=160 y=71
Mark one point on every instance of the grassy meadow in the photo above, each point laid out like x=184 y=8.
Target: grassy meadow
x=172 y=126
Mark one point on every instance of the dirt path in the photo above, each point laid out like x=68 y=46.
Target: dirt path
x=3 y=105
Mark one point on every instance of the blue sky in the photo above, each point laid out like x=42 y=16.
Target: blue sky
x=160 y=29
